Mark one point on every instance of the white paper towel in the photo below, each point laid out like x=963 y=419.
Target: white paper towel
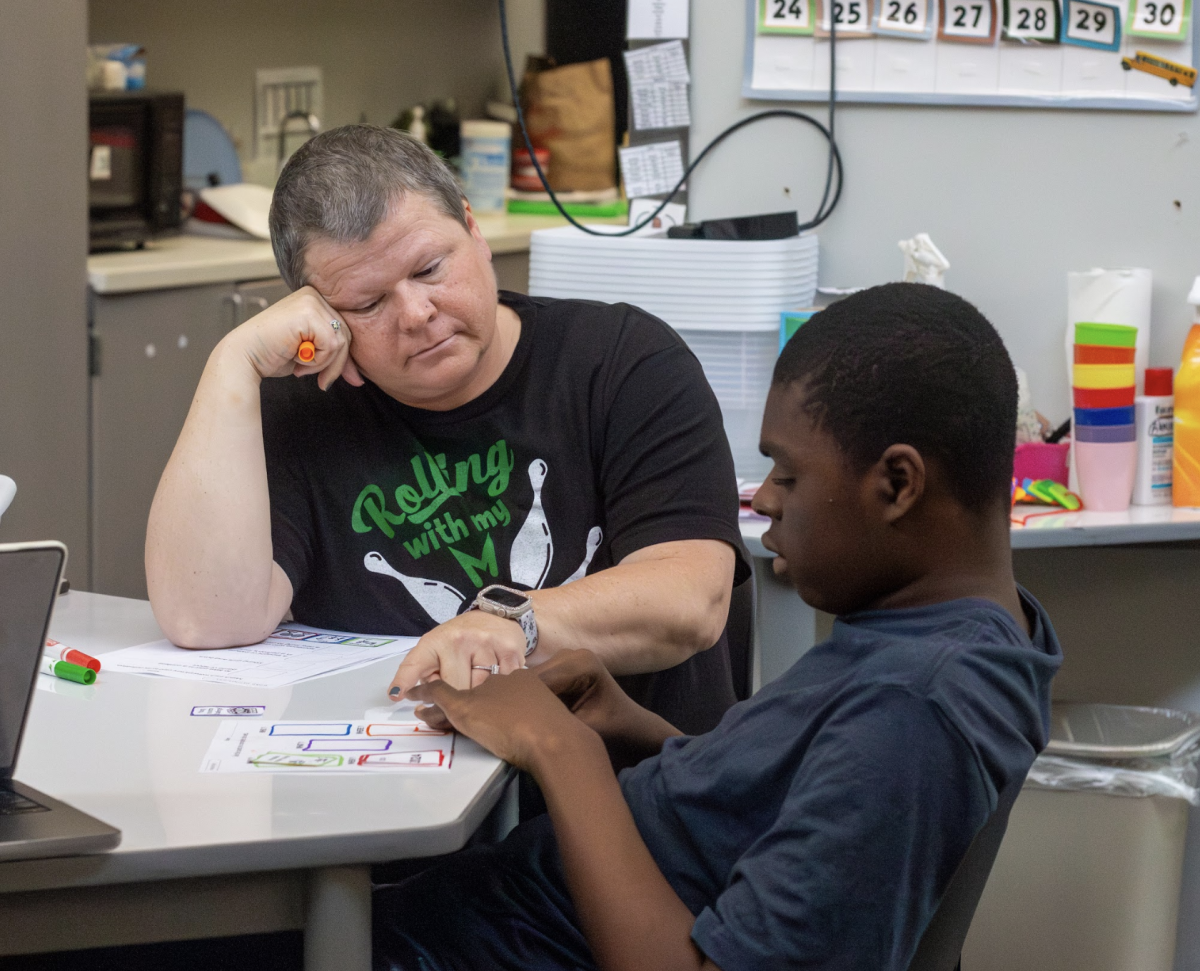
x=1119 y=296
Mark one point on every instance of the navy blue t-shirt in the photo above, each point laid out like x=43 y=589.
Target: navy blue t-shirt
x=819 y=824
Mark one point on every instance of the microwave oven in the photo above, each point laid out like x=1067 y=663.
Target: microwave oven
x=135 y=167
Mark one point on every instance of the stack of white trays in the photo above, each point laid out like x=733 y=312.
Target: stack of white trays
x=724 y=298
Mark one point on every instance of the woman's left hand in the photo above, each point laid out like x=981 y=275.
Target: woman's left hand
x=459 y=651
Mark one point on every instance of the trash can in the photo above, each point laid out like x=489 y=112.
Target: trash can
x=1088 y=876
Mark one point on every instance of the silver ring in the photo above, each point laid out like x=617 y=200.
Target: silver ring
x=335 y=324
x=489 y=668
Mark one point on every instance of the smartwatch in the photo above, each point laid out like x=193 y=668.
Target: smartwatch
x=512 y=605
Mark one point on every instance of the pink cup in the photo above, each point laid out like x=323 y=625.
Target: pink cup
x=1106 y=471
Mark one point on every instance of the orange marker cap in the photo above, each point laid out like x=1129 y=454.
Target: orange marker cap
x=307 y=351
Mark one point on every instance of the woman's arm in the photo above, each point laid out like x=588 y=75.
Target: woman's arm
x=209 y=566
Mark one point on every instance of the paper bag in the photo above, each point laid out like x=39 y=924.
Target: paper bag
x=569 y=111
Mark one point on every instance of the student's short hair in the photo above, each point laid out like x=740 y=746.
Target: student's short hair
x=906 y=363
x=339 y=185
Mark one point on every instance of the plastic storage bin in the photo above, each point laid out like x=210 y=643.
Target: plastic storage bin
x=1088 y=876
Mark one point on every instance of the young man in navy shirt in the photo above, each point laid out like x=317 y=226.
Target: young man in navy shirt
x=820 y=823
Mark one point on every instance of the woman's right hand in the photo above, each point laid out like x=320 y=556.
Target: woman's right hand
x=270 y=341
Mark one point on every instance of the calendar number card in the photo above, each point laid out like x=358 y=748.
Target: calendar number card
x=1088 y=24
x=785 y=16
x=905 y=18
x=968 y=21
x=1160 y=19
x=1036 y=21
x=853 y=17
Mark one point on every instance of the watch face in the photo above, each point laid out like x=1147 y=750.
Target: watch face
x=506 y=598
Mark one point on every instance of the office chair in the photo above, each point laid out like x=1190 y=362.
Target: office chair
x=940 y=948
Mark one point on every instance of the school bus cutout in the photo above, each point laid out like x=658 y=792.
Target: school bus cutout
x=1160 y=67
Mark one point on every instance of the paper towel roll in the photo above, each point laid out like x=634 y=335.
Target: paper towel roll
x=1120 y=296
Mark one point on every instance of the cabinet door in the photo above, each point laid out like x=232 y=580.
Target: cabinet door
x=150 y=349
x=256 y=296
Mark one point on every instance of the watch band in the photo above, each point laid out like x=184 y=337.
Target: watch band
x=522 y=615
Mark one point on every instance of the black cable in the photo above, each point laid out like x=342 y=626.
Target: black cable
x=835 y=157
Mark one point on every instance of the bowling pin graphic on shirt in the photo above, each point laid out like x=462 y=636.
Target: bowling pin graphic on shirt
x=439 y=600
x=533 y=549
x=594 y=536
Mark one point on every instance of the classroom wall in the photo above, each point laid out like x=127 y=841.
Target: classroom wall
x=43 y=329
x=377 y=56
x=1014 y=197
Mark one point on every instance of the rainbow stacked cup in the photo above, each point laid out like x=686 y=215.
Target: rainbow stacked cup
x=1104 y=385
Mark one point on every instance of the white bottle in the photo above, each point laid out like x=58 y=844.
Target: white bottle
x=1154 y=416
x=417 y=127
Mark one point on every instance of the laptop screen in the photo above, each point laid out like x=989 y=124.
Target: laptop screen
x=28 y=585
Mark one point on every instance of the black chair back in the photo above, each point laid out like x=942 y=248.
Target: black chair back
x=941 y=945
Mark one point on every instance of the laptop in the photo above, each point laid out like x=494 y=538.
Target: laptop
x=33 y=824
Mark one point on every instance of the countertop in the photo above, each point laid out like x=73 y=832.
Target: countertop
x=1138 y=524
x=182 y=261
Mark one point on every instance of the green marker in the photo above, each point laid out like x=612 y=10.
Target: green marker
x=68 y=671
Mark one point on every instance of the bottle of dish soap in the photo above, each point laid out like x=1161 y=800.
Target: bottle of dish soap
x=1185 y=485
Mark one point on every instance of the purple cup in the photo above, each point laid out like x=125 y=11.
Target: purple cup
x=1105 y=433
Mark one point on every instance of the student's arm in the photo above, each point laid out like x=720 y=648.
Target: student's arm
x=631 y=916
x=653 y=610
x=630 y=732
x=209 y=567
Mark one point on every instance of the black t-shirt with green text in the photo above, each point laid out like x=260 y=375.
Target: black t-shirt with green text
x=601 y=437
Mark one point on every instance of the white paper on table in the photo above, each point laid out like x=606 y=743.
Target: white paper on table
x=650 y=170
x=655 y=19
x=294 y=652
x=328 y=746
x=660 y=62
x=659 y=104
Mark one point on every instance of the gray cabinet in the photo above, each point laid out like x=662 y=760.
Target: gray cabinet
x=148 y=352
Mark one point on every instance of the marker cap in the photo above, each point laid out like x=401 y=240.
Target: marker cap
x=73 y=672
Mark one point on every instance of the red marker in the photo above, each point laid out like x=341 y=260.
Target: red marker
x=307 y=351
x=60 y=652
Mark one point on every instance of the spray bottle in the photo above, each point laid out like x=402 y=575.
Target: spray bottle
x=1185 y=486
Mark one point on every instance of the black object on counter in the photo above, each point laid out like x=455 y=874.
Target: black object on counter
x=775 y=225
x=1059 y=433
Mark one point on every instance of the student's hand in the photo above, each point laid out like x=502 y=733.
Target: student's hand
x=457 y=650
x=270 y=341
x=516 y=718
x=585 y=686
x=630 y=732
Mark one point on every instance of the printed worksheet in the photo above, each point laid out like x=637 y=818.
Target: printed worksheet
x=294 y=652
x=659 y=62
x=659 y=104
x=650 y=170
x=328 y=746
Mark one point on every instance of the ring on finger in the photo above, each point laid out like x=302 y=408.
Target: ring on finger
x=335 y=324
x=489 y=668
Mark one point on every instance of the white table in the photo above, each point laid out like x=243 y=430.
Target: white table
x=785 y=626
x=206 y=855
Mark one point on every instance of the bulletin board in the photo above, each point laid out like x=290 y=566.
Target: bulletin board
x=1110 y=54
